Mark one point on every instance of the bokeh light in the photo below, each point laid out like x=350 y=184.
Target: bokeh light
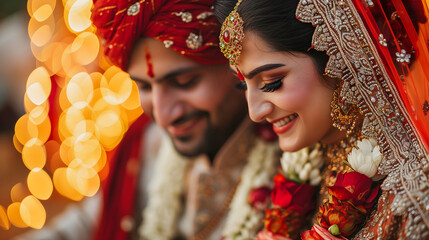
x=66 y=150
x=15 y=216
x=43 y=13
x=97 y=103
x=19 y=192
x=32 y=212
x=87 y=150
x=80 y=90
x=4 y=222
x=35 y=5
x=63 y=186
x=34 y=154
x=18 y=146
x=39 y=86
x=78 y=14
x=41 y=32
x=25 y=129
x=40 y=184
x=116 y=89
x=39 y=114
x=44 y=130
x=111 y=128
x=85 y=48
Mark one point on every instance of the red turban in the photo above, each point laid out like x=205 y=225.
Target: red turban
x=186 y=26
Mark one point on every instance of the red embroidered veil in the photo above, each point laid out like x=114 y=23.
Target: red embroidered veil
x=380 y=49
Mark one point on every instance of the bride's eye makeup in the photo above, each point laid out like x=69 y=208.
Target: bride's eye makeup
x=272 y=86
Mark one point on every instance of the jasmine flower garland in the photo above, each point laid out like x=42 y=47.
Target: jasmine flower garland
x=244 y=220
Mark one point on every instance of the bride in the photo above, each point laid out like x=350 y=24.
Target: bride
x=345 y=85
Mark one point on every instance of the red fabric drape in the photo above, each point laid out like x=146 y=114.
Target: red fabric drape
x=403 y=25
x=119 y=189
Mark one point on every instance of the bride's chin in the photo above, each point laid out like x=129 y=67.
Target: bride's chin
x=288 y=146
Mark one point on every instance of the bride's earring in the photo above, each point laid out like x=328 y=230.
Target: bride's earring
x=344 y=115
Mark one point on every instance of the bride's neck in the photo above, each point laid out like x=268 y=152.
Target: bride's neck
x=333 y=136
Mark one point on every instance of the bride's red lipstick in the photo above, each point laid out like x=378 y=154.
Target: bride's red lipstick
x=284 y=124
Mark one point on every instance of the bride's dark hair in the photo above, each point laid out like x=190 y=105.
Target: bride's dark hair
x=275 y=22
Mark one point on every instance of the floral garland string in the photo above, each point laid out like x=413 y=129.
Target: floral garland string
x=292 y=196
x=252 y=195
x=350 y=199
x=163 y=208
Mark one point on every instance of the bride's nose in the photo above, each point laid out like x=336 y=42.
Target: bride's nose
x=259 y=106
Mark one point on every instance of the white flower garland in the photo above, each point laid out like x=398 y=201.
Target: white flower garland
x=303 y=165
x=243 y=220
x=163 y=208
x=161 y=214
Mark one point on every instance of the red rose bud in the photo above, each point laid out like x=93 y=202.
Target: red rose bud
x=259 y=198
x=356 y=188
x=290 y=195
x=319 y=233
x=342 y=214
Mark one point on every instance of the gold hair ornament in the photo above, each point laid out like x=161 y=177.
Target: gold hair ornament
x=231 y=35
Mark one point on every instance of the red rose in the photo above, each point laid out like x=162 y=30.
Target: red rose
x=259 y=198
x=293 y=196
x=355 y=187
x=319 y=233
x=342 y=214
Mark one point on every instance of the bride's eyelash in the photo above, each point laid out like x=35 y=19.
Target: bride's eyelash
x=241 y=86
x=273 y=86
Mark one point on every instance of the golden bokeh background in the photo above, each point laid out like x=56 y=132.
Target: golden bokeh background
x=76 y=109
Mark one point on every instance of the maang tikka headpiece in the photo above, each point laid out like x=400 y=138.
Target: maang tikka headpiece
x=231 y=35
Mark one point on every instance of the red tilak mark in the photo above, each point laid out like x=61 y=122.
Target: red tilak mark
x=149 y=65
x=239 y=75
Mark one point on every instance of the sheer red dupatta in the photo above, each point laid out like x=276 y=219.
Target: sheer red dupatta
x=400 y=31
x=379 y=49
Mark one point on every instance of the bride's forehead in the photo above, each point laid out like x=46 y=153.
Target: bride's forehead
x=255 y=54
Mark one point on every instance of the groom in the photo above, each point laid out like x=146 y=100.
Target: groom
x=190 y=177
x=193 y=166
